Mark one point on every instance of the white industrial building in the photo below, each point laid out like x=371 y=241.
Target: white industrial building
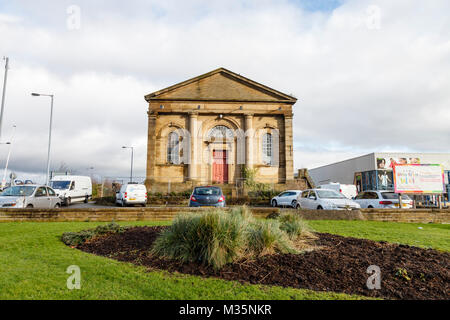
x=374 y=171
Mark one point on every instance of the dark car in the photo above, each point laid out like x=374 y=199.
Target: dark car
x=207 y=197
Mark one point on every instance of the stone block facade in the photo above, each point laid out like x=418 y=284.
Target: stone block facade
x=207 y=129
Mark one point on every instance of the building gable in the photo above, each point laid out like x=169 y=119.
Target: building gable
x=220 y=85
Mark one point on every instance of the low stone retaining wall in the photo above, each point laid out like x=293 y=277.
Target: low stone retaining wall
x=387 y=215
x=108 y=214
x=168 y=213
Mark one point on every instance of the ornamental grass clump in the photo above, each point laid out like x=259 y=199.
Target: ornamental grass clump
x=217 y=237
x=214 y=238
x=294 y=225
x=266 y=237
x=77 y=238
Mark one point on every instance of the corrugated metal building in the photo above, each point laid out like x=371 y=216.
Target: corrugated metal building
x=374 y=171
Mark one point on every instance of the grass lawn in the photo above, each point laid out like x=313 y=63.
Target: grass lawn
x=33 y=263
x=436 y=236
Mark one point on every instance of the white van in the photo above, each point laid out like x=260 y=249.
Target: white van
x=72 y=188
x=131 y=193
x=348 y=190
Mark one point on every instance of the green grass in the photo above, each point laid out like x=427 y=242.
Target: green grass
x=33 y=263
x=436 y=236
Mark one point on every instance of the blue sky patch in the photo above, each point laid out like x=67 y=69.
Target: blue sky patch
x=318 y=5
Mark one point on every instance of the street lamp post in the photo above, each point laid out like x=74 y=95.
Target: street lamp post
x=49 y=132
x=3 y=93
x=132 y=155
x=3 y=184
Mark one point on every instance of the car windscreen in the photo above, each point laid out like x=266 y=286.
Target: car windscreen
x=17 y=191
x=136 y=188
x=61 y=185
x=329 y=194
x=207 y=191
x=394 y=196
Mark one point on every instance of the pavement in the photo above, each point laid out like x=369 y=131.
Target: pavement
x=81 y=205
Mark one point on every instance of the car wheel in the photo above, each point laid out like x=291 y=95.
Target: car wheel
x=294 y=204
x=370 y=207
x=68 y=201
x=319 y=208
x=298 y=207
x=30 y=206
x=274 y=203
x=86 y=200
x=57 y=206
x=122 y=204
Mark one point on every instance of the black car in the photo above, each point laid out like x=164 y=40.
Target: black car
x=207 y=196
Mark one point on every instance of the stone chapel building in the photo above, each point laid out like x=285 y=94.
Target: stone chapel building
x=204 y=130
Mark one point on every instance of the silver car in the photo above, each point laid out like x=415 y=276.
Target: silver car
x=29 y=196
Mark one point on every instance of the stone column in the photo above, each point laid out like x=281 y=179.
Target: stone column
x=151 y=148
x=249 y=137
x=289 y=148
x=193 y=131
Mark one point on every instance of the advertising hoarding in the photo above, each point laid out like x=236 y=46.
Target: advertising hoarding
x=419 y=178
x=389 y=163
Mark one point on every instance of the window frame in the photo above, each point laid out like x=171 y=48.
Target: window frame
x=267 y=148
x=173 y=148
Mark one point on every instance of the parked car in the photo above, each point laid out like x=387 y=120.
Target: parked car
x=286 y=198
x=207 y=196
x=131 y=194
x=325 y=199
x=348 y=190
x=382 y=199
x=72 y=188
x=29 y=196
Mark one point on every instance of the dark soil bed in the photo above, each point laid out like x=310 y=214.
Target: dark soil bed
x=339 y=265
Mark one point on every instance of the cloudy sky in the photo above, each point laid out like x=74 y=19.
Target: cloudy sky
x=369 y=75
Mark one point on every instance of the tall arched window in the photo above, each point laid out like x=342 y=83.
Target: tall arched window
x=267 y=149
x=173 y=148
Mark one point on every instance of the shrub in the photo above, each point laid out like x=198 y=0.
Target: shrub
x=217 y=237
x=293 y=225
x=214 y=238
x=77 y=238
x=266 y=237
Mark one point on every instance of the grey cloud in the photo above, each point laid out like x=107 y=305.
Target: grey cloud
x=359 y=89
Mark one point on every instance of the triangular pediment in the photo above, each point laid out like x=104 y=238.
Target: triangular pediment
x=220 y=85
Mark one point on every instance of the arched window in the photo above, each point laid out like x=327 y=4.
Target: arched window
x=173 y=148
x=267 y=157
x=221 y=133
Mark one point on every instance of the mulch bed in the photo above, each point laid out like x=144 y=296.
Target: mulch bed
x=339 y=265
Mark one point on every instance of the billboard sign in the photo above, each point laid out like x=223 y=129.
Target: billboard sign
x=419 y=178
x=389 y=163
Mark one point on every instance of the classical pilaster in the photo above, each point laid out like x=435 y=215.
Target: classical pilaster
x=151 y=147
x=289 y=148
x=193 y=131
x=249 y=137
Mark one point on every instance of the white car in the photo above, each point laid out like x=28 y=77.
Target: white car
x=348 y=190
x=286 y=198
x=324 y=199
x=382 y=200
x=131 y=193
x=29 y=196
x=72 y=188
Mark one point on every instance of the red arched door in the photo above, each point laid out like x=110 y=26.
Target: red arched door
x=220 y=166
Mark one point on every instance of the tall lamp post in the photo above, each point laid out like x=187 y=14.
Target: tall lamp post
x=3 y=93
x=49 y=132
x=3 y=184
x=132 y=155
